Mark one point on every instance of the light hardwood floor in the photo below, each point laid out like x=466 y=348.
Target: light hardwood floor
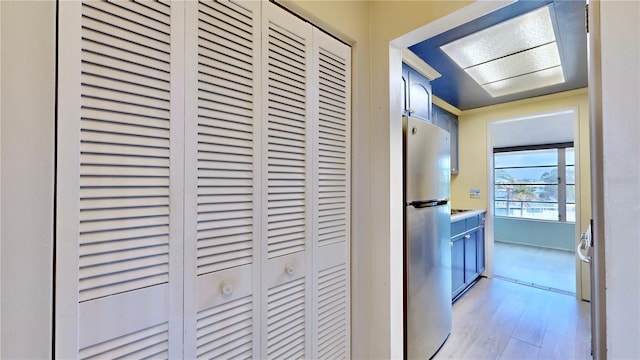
x=542 y=267
x=498 y=319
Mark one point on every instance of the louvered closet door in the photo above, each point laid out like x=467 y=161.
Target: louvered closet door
x=331 y=197
x=286 y=200
x=119 y=236
x=223 y=180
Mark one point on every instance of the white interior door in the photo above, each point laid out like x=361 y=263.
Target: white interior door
x=286 y=184
x=331 y=108
x=222 y=195
x=118 y=216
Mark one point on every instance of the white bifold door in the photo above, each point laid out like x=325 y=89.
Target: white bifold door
x=203 y=185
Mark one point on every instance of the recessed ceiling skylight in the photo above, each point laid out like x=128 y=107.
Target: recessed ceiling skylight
x=513 y=56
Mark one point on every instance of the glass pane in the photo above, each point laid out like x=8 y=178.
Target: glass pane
x=540 y=211
x=571 y=212
x=571 y=194
x=500 y=208
x=570 y=174
x=526 y=158
x=528 y=175
x=570 y=156
x=527 y=210
x=526 y=192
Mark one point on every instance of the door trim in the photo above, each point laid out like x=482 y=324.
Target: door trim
x=598 y=298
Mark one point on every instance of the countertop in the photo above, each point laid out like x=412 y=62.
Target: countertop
x=466 y=214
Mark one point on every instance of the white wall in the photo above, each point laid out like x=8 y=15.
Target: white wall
x=620 y=45
x=26 y=183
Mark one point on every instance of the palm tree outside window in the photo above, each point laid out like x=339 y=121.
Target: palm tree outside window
x=535 y=182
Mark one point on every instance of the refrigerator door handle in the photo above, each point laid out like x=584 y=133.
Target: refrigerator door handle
x=428 y=203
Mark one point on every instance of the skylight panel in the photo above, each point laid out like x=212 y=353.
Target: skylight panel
x=504 y=54
x=526 y=82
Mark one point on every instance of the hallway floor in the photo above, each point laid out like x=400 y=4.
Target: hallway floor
x=498 y=319
x=542 y=267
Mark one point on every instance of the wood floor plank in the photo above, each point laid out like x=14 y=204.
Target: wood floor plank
x=583 y=336
x=564 y=314
x=520 y=350
x=484 y=319
x=533 y=322
x=557 y=346
x=499 y=319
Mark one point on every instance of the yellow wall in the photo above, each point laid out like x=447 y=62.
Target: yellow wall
x=473 y=145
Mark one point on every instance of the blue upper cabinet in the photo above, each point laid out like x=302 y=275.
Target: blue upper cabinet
x=416 y=95
x=449 y=122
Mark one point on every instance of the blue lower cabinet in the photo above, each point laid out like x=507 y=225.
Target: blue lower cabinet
x=481 y=260
x=470 y=256
x=457 y=264
x=467 y=253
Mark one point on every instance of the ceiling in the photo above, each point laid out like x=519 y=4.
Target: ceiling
x=458 y=89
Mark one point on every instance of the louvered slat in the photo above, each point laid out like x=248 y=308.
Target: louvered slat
x=151 y=343
x=286 y=141
x=286 y=320
x=332 y=147
x=225 y=136
x=226 y=331
x=124 y=145
x=332 y=315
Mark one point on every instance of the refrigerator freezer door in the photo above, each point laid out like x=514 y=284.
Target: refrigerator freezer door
x=428 y=280
x=427 y=161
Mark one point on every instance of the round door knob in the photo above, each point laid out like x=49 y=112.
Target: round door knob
x=227 y=288
x=289 y=269
x=467 y=236
x=451 y=243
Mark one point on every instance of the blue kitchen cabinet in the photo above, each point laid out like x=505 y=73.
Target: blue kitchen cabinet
x=467 y=253
x=481 y=257
x=449 y=122
x=457 y=264
x=470 y=256
x=416 y=97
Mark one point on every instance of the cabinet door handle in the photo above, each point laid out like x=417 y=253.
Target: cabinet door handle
x=467 y=237
x=451 y=242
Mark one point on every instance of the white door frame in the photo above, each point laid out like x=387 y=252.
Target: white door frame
x=598 y=296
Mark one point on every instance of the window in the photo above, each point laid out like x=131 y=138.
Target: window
x=535 y=182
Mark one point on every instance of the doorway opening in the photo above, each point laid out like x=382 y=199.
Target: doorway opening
x=533 y=163
x=468 y=186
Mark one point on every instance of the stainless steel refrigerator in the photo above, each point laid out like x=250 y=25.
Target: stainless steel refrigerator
x=427 y=262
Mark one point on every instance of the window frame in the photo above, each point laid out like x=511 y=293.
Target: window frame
x=562 y=183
